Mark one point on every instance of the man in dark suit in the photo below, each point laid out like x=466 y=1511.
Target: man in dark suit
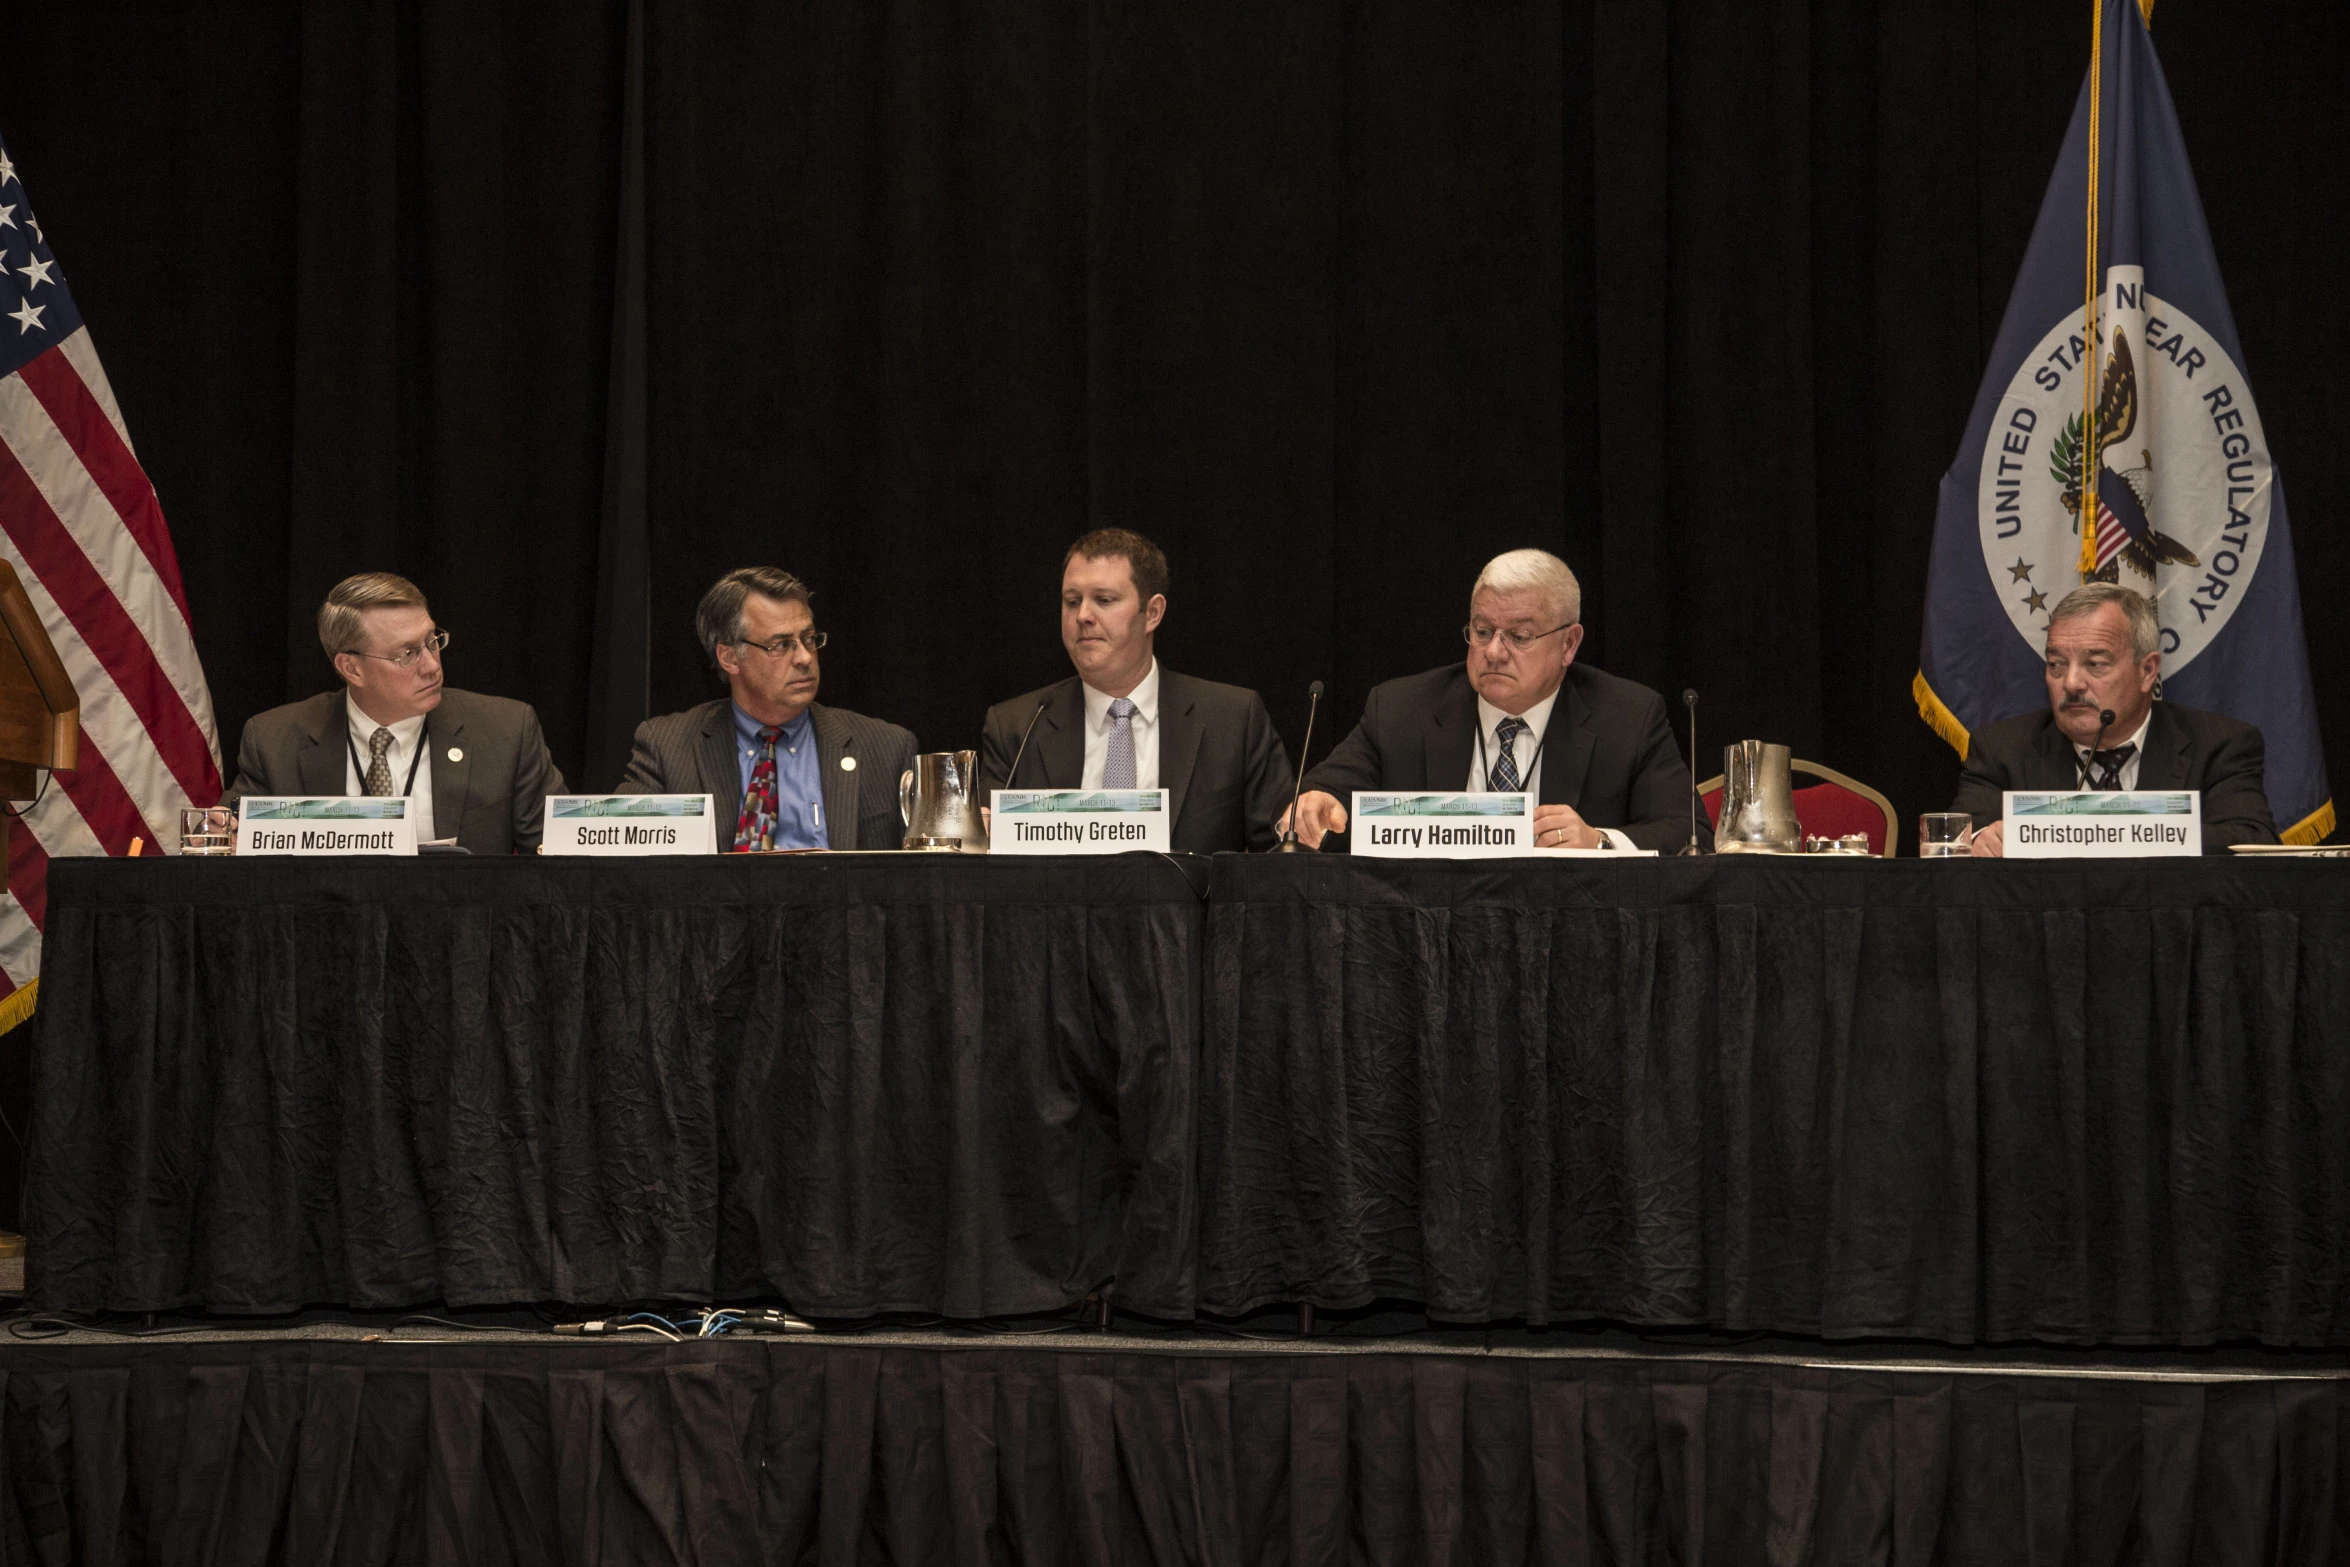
x=1596 y=752
x=784 y=771
x=476 y=767
x=2104 y=656
x=1125 y=721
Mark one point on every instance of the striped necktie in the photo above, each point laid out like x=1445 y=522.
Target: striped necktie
x=1504 y=777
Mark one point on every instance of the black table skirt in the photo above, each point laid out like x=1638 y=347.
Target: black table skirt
x=730 y=1452
x=1951 y=1101
x=866 y=1083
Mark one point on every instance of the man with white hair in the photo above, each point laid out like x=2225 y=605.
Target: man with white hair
x=1596 y=752
x=2103 y=729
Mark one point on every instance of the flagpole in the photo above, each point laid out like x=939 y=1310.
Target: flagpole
x=2093 y=354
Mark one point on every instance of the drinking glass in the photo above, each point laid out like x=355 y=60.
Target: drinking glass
x=208 y=829
x=1945 y=835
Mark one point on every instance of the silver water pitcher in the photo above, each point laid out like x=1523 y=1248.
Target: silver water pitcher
x=939 y=798
x=1758 y=801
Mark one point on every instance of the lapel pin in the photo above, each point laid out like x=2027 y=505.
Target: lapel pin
x=848 y=764
x=456 y=753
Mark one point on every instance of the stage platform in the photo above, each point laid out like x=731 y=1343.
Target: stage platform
x=1380 y=1439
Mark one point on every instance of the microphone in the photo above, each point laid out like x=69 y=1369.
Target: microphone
x=2104 y=722
x=1024 y=734
x=1289 y=843
x=1689 y=700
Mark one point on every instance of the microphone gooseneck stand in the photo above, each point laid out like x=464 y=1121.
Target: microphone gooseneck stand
x=1289 y=843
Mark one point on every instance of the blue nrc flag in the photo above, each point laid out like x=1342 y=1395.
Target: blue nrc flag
x=2190 y=509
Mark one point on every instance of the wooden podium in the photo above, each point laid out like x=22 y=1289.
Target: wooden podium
x=40 y=716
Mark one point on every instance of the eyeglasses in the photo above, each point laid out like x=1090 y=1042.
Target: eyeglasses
x=1519 y=641
x=406 y=658
x=781 y=647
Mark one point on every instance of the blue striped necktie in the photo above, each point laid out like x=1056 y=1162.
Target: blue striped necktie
x=1504 y=777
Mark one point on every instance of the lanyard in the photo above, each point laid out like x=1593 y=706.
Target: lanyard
x=1526 y=773
x=423 y=739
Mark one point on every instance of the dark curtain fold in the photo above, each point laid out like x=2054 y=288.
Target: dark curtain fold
x=1959 y=1102
x=1334 y=299
x=865 y=1085
x=734 y=1452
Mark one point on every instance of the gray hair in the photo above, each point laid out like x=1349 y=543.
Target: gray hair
x=718 y=619
x=342 y=619
x=1535 y=571
x=2090 y=597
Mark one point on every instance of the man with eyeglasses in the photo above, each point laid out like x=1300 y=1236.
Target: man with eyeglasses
x=475 y=767
x=2103 y=729
x=785 y=771
x=1596 y=752
x=1126 y=721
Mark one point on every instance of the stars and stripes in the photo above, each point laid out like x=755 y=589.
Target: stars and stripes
x=2120 y=518
x=81 y=525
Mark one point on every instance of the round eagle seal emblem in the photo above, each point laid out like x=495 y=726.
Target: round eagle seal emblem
x=2184 y=478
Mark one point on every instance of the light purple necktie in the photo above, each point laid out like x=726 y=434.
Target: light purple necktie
x=1118 y=765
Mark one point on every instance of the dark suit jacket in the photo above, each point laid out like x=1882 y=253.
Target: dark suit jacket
x=693 y=753
x=2186 y=748
x=1609 y=752
x=492 y=799
x=1225 y=771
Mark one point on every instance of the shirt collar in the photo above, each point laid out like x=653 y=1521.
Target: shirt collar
x=1537 y=717
x=2138 y=739
x=1145 y=698
x=363 y=728
x=795 y=733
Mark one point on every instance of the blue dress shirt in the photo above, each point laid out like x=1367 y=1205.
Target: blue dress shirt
x=799 y=779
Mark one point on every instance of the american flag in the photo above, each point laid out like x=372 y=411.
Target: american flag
x=82 y=526
x=2120 y=519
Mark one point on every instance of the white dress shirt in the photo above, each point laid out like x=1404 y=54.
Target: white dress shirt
x=406 y=734
x=1145 y=722
x=1483 y=758
x=2129 y=768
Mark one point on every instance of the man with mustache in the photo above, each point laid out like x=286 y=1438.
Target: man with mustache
x=2104 y=655
x=783 y=770
x=475 y=767
x=1126 y=721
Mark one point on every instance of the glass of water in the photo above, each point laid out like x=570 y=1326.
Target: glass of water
x=1945 y=835
x=208 y=829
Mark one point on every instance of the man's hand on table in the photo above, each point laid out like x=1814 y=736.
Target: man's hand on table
x=1318 y=813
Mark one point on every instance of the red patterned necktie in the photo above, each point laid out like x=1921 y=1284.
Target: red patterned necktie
x=755 y=829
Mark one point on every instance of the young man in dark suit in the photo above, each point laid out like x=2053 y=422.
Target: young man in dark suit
x=476 y=767
x=1596 y=752
x=2104 y=655
x=1125 y=721
x=783 y=770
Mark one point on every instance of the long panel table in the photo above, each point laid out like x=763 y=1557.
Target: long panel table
x=1950 y=1101
x=1960 y=1101
x=867 y=1083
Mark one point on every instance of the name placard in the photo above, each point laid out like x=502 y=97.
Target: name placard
x=630 y=824
x=329 y=824
x=1077 y=821
x=2102 y=825
x=1441 y=826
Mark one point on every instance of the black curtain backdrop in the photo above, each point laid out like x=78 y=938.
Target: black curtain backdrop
x=1333 y=299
